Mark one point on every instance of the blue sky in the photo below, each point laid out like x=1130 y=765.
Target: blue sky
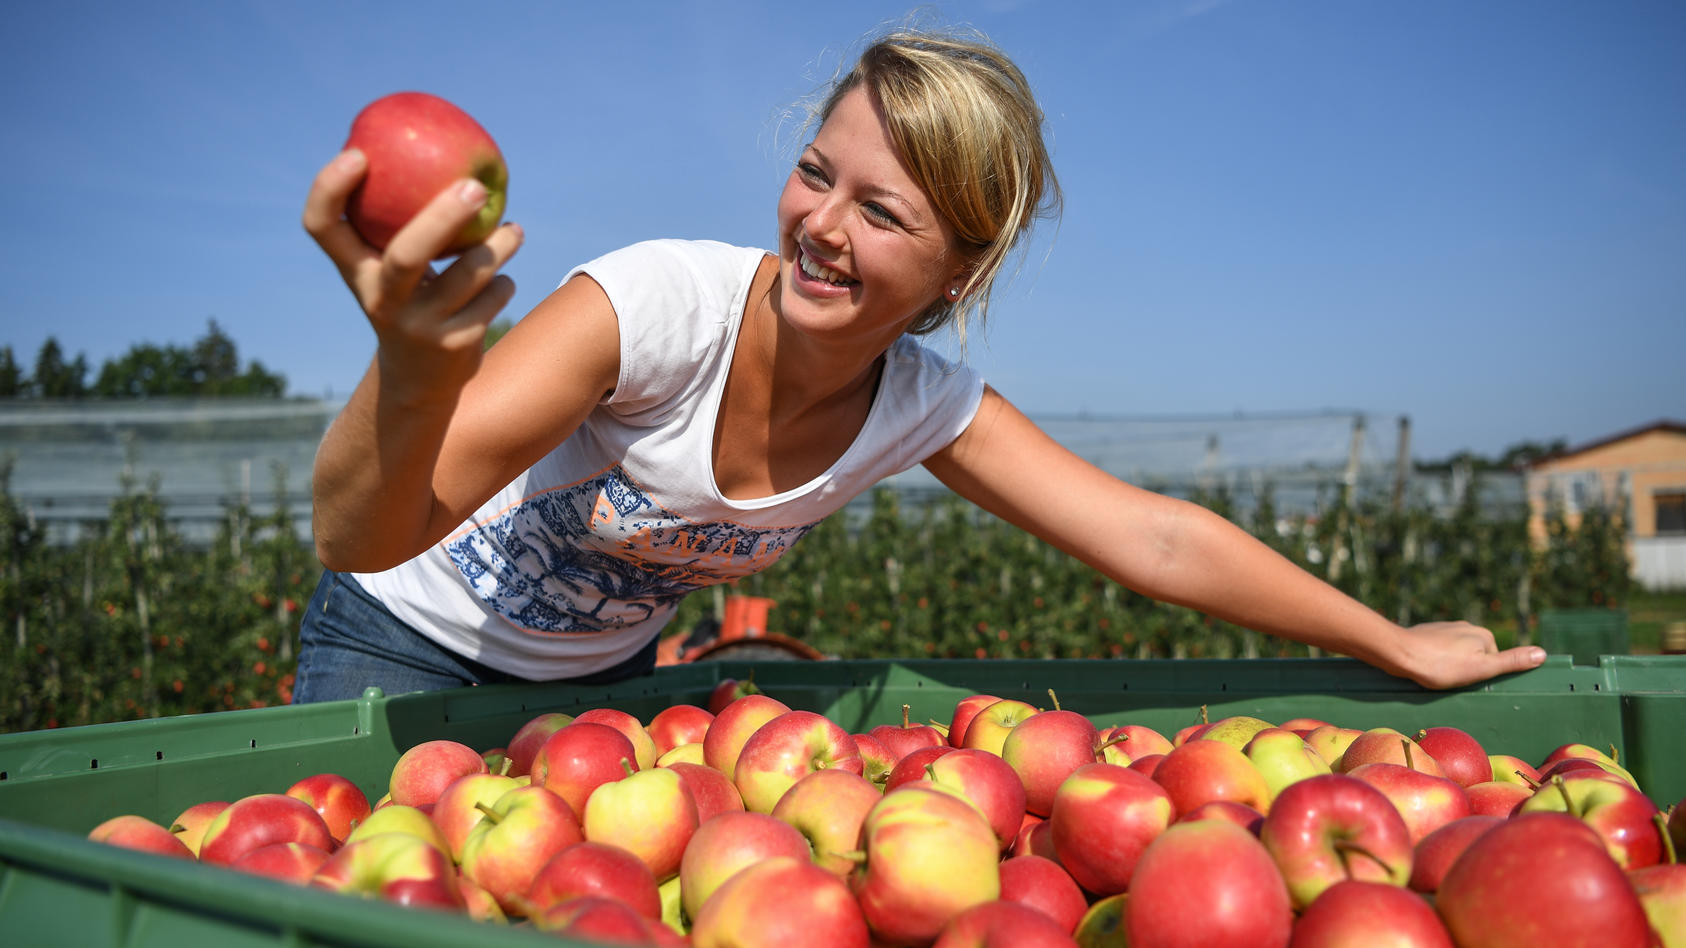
x=1471 y=213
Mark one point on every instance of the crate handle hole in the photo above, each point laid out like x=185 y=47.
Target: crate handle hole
x=254 y=742
x=160 y=755
x=94 y=764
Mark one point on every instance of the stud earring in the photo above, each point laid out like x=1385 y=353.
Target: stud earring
x=954 y=292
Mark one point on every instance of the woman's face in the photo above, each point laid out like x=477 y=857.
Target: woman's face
x=862 y=252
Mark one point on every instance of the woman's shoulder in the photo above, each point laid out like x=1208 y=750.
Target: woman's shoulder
x=675 y=255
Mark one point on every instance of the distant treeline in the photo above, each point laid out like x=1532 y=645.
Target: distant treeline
x=210 y=367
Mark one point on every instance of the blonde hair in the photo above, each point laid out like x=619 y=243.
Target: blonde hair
x=963 y=118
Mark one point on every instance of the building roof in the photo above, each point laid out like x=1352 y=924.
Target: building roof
x=1661 y=424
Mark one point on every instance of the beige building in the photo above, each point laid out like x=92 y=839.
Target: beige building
x=1644 y=470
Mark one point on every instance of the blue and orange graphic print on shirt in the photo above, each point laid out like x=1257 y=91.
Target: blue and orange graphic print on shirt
x=601 y=555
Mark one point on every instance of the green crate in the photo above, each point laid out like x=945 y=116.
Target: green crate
x=57 y=888
x=1584 y=634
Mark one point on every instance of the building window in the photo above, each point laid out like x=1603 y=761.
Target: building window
x=1671 y=511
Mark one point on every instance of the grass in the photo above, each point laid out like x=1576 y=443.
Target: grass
x=1648 y=614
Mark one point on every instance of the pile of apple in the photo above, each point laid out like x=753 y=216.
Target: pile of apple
x=749 y=823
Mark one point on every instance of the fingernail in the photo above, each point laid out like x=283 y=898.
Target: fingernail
x=471 y=192
x=349 y=160
x=1537 y=656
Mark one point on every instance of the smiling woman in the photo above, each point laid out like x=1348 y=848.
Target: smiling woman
x=678 y=414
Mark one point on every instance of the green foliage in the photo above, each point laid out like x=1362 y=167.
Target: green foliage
x=209 y=368
x=130 y=622
x=1585 y=561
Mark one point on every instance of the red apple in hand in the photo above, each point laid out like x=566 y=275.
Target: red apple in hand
x=417 y=145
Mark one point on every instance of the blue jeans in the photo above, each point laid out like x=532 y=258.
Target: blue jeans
x=349 y=641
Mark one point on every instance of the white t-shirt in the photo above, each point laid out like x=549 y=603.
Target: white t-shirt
x=575 y=565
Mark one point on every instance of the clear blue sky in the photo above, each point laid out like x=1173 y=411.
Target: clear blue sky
x=1472 y=213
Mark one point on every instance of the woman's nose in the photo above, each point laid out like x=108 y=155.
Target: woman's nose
x=824 y=223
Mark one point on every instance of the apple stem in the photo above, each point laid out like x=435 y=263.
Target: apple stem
x=906 y=708
x=1054 y=698
x=1344 y=846
x=1114 y=739
x=1615 y=755
x=1532 y=784
x=626 y=765
x=856 y=856
x=491 y=814
x=1409 y=761
x=1670 y=854
x=1563 y=789
x=1203 y=718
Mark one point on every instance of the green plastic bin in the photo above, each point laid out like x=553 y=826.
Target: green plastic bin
x=1584 y=634
x=57 y=888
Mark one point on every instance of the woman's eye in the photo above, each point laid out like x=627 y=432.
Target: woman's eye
x=878 y=211
x=810 y=171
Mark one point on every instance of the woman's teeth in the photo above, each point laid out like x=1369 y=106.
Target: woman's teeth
x=826 y=274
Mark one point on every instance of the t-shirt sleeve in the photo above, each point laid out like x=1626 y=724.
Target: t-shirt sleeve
x=672 y=299
x=931 y=401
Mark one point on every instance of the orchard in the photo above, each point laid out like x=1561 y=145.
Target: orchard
x=750 y=822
